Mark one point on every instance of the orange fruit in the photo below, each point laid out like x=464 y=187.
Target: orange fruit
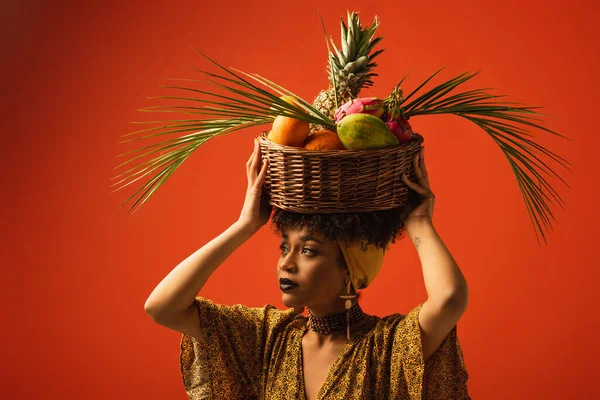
x=291 y=100
x=289 y=131
x=323 y=140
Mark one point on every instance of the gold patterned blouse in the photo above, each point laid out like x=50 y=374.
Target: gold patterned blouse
x=256 y=353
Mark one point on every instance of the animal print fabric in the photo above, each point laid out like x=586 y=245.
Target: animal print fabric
x=256 y=353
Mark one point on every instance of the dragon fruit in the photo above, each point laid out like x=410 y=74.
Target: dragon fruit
x=361 y=105
x=400 y=128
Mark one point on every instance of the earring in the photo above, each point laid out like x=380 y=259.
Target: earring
x=348 y=306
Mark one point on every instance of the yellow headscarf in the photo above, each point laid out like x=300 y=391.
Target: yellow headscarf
x=363 y=266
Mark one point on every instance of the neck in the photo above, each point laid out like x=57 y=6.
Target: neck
x=328 y=310
x=336 y=323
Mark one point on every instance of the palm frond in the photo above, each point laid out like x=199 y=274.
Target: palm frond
x=246 y=100
x=506 y=124
x=243 y=104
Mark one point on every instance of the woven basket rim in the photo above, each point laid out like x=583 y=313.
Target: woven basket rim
x=300 y=150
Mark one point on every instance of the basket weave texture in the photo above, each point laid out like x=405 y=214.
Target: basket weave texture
x=337 y=181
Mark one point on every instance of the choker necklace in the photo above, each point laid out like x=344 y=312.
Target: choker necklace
x=337 y=322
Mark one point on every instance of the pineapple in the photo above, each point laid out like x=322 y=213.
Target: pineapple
x=349 y=70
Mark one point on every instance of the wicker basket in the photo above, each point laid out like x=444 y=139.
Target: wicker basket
x=336 y=181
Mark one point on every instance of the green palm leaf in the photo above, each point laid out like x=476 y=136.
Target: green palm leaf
x=251 y=100
x=245 y=105
x=506 y=124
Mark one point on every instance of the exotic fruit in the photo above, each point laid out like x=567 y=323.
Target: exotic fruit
x=323 y=140
x=401 y=129
x=362 y=105
x=372 y=130
x=290 y=100
x=288 y=131
x=365 y=131
x=350 y=67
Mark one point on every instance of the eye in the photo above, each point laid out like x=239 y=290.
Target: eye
x=282 y=247
x=312 y=252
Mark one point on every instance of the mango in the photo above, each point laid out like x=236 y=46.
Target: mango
x=365 y=131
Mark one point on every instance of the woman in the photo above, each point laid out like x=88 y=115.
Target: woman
x=337 y=351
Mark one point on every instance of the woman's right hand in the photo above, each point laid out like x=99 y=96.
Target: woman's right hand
x=256 y=210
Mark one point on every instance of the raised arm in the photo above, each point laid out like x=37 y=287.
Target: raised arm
x=171 y=303
x=447 y=291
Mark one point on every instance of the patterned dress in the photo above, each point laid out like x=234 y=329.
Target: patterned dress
x=256 y=353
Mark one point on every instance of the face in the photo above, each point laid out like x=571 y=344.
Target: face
x=314 y=265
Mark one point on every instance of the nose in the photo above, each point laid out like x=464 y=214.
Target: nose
x=287 y=263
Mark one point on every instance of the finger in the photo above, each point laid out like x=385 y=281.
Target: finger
x=424 y=167
x=249 y=162
x=414 y=186
x=416 y=160
x=255 y=159
x=263 y=172
x=418 y=171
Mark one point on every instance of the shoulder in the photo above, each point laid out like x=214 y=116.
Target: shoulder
x=397 y=318
x=244 y=314
x=392 y=323
x=204 y=302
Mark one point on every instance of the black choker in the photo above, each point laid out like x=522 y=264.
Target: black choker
x=337 y=322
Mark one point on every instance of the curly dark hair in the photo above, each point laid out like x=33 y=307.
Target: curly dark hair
x=376 y=227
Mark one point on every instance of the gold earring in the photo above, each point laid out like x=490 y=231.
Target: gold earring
x=348 y=296
x=348 y=306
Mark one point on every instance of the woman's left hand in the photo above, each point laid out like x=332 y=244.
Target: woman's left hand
x=425 y=208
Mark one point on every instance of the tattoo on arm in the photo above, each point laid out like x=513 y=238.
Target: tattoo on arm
x=417 y=241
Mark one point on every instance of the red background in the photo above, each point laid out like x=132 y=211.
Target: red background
x=76 y=273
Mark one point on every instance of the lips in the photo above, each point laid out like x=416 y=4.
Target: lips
x=286 y=281
x=287 y=284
